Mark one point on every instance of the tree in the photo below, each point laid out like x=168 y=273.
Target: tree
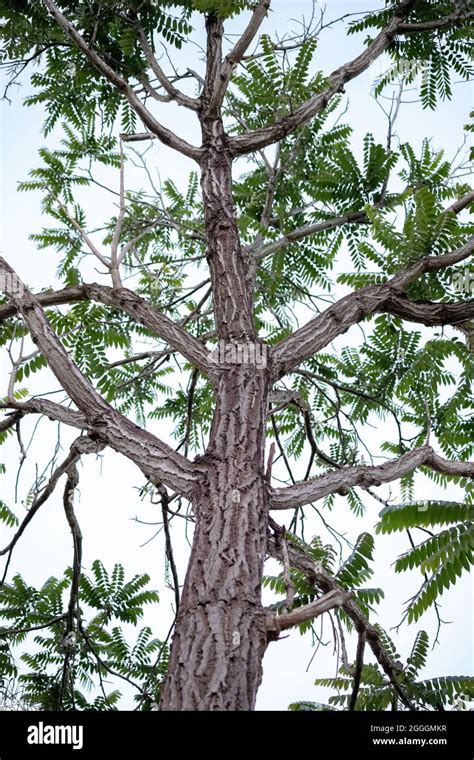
x=265 y=237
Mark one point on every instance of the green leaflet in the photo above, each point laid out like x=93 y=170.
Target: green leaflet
x=100 y=643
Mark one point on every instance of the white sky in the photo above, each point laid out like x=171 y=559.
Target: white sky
x=108 y=497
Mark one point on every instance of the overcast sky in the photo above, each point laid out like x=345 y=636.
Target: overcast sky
x=108 y=496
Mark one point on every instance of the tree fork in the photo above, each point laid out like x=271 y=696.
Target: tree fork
x=230 y=265
x=221 y=628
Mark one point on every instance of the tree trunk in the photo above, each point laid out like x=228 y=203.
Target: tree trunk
x=220 y=636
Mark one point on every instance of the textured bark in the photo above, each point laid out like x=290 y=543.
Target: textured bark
x=229 y=264
x=339 y=481
x=133 y=305
x=388 y=297
x=156 y=459
x=221 y=633
x=220 y=636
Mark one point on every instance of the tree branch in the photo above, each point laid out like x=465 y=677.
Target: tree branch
x=214 y=32
x=155 y=458
x=166 y=136
x=10 y=421
x=429 y=313
x=82 y=445
x=358 y=670
x=55 y=412
x=133 y=305
x=356 y=217
x=180 y=97
x=235 y=56
x=82 y=233
x=339 y=481
x=309 y=229
x=260 y=138
x=68 y=640
x=437 y=23
x=432 y=264
x=356 y=306
x=462 y=203
x=137 y=137
x=278 y=623
x=319 y=577
x=5 y=632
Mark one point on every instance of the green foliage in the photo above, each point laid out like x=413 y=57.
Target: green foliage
x=356 y=570
x=351 y=575
x=432 y=60
x=35 y=620
x=7 y=516
x=220 y=8
x=424 y=514
x=309 y=707
x=376 y=692
x=69 y=86
x=443 y=557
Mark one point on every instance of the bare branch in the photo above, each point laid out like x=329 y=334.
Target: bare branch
x=233 y=58
x=82 y=445
x=464 y=202
x=114 y=255
x=138 y=137
x=53 y=411
x=166 y=136
x=355 y=217
x=319 y=577
x=289 y=586
x=165 y=499
x=83 y=234
x=155 y=458
x=173 y=92
x=437 y=23
x=136 y=307
x=358 y=670
x=355 y=307
x=10 y=421
x=5 y=632
x=69 y=636
x=309 y=229
x=260 y=138
x=68 y=503
x=429 y=313
x=341 y=480
x=334 y=598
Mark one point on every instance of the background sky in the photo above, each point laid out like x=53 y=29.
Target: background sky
x=109 y=500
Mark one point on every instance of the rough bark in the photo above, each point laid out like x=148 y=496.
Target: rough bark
x=341 y=480
x=220 y=636
x=229 y=264
x=221 y=633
